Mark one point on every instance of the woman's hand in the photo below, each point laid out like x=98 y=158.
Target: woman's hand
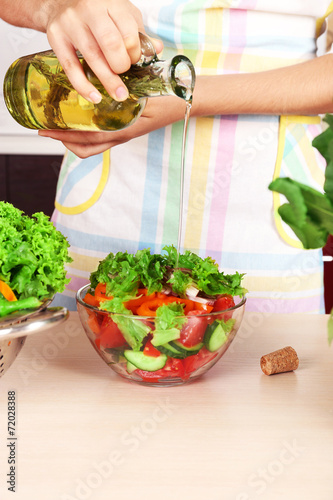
x=159 y=112
x=106 y=32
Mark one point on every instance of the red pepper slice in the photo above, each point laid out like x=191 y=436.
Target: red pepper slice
x=100 y=292
x=91 y=300
x=149 y=306
x=142 y=297
x=7 y=292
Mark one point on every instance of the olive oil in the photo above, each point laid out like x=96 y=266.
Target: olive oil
x=182 y=175
x=39 y=95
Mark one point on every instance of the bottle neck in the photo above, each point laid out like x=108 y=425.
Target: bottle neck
x=173 y=77
x=182 y=77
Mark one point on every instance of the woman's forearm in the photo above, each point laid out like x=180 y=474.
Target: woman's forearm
x=305 y=88
x=26 y=14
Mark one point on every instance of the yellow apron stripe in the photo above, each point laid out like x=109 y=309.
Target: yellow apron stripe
x=320 y=20
x=78 y=209
x=276 y=284
x=284 y=122
x=198 y=183
x=84 y=262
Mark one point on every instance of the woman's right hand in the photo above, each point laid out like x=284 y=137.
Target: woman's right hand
x=106 y=32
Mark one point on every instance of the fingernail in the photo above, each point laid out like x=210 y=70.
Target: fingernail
x=121 y=93
x=95 y=97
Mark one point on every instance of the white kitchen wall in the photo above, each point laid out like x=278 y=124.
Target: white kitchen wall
x=14 y=139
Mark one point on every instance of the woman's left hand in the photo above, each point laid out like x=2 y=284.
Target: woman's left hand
x=157 y=114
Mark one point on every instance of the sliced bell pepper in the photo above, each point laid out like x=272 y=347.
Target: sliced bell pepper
x=91 y=300
x=100 y=292
x=7 y=292
x=199 y=306
x=149 y=307
x=142 y=297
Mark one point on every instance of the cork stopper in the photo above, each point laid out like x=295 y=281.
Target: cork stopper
x=282 y=360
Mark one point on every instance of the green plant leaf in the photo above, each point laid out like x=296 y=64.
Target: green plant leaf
x=309 y=212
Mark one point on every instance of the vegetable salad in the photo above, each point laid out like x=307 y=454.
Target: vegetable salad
x=163 y=315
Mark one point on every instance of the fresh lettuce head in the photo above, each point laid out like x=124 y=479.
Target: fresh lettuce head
x=124 y=273
x=32 y=254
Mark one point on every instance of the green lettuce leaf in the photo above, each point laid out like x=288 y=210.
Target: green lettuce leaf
x=124 y=273
x=205 y=275
x=32 y=254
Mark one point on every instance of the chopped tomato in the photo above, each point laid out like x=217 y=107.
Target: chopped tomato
x=110 y=335
x=150 y=350
x=94 y=322
x=192 y=363
x=173 y=368
x=221 y=304
x=193 y=331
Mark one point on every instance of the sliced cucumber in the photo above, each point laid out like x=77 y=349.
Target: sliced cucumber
x=144 y=362
x=171 y=351
x=130 y=368
x=217 y=334
x=186 y=351
x=162 y=337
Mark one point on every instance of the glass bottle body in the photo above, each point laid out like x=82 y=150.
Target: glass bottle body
x=39 y=95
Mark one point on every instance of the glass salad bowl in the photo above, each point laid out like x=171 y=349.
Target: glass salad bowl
x=166 y=358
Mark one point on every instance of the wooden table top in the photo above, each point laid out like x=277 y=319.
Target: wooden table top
x=83 y=432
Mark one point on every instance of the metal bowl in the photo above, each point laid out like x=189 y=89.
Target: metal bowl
x=15 y=328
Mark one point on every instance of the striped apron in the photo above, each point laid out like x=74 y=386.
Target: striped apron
x=128 y=198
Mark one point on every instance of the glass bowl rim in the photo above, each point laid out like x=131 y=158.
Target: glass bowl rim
x=151 y=318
